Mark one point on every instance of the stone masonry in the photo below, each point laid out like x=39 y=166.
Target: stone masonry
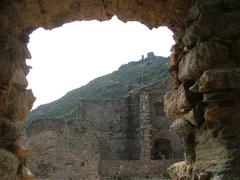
x=203 y=103
x=119 y=136
x=204 y=100
x=145 y=127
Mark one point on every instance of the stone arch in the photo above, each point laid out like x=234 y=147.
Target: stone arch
x=161 y=149
x=172 y=142
x=204 y=71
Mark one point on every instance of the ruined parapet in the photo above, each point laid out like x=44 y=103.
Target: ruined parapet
x=204 y=103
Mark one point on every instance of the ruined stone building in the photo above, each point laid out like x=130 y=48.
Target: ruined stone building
x=203 y=102
x=134 y=127
x=129 y=134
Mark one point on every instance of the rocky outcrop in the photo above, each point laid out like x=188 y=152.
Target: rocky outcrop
x=206 y=56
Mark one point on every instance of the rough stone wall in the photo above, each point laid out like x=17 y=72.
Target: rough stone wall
x=125 y=127
x=154 y=127
x=204 y=102
x=206 y=54
x=135 y=169
x=132 y=142
x=145 y=126
x=120 y=133
x=110 y=119
x=17 y=20
x=15 y=101
x=62 y=149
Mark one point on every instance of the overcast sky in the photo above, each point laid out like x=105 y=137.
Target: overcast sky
x=68 y=57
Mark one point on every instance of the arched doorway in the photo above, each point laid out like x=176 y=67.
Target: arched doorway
x=161 y=149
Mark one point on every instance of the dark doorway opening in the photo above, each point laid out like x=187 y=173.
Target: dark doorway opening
x=161 y=149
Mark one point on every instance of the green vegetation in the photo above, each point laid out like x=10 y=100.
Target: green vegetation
x=112 y=86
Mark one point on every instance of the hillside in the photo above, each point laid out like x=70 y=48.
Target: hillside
x=111 y=86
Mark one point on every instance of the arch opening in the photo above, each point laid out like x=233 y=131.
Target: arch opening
x=47 y=163
x=91 y=47
x=204 y=72
x=161 y=149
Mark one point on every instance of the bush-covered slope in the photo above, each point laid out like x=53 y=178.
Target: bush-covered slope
x=111 y=86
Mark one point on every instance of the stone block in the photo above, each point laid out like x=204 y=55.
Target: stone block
x=182 y=127
x=191 y=117
x=9 y=134
x=206 y=55
x=173 y=68
x=25 y=174
x=180 y=170
x=176 y=103
x=19 y=78
x=223 y=22
x=8 y=165
x=223 y=113
x=21 y=152
x=19 y=104
x=216 y=80
x=222 y=96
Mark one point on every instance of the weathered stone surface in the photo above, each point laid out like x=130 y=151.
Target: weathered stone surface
x=173 y=66
x=8 y=165
x=180 y=170
x=186 y=131
x=223 y=113
x=62 y=150
x=208 y=18
x=182 y=127
x=19 y=104
x=176 y=103
x=210 y=33
x=195 y=115
x=9 y=134
x=51 y=14
x=127 y=134
x=19 y=78
x=25 y=174
x=222 y=96
x=217 y=79
x=216 y=154
x=205 y=55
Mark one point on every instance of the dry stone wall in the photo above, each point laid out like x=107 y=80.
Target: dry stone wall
x=204 y=102
x=204 y=71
